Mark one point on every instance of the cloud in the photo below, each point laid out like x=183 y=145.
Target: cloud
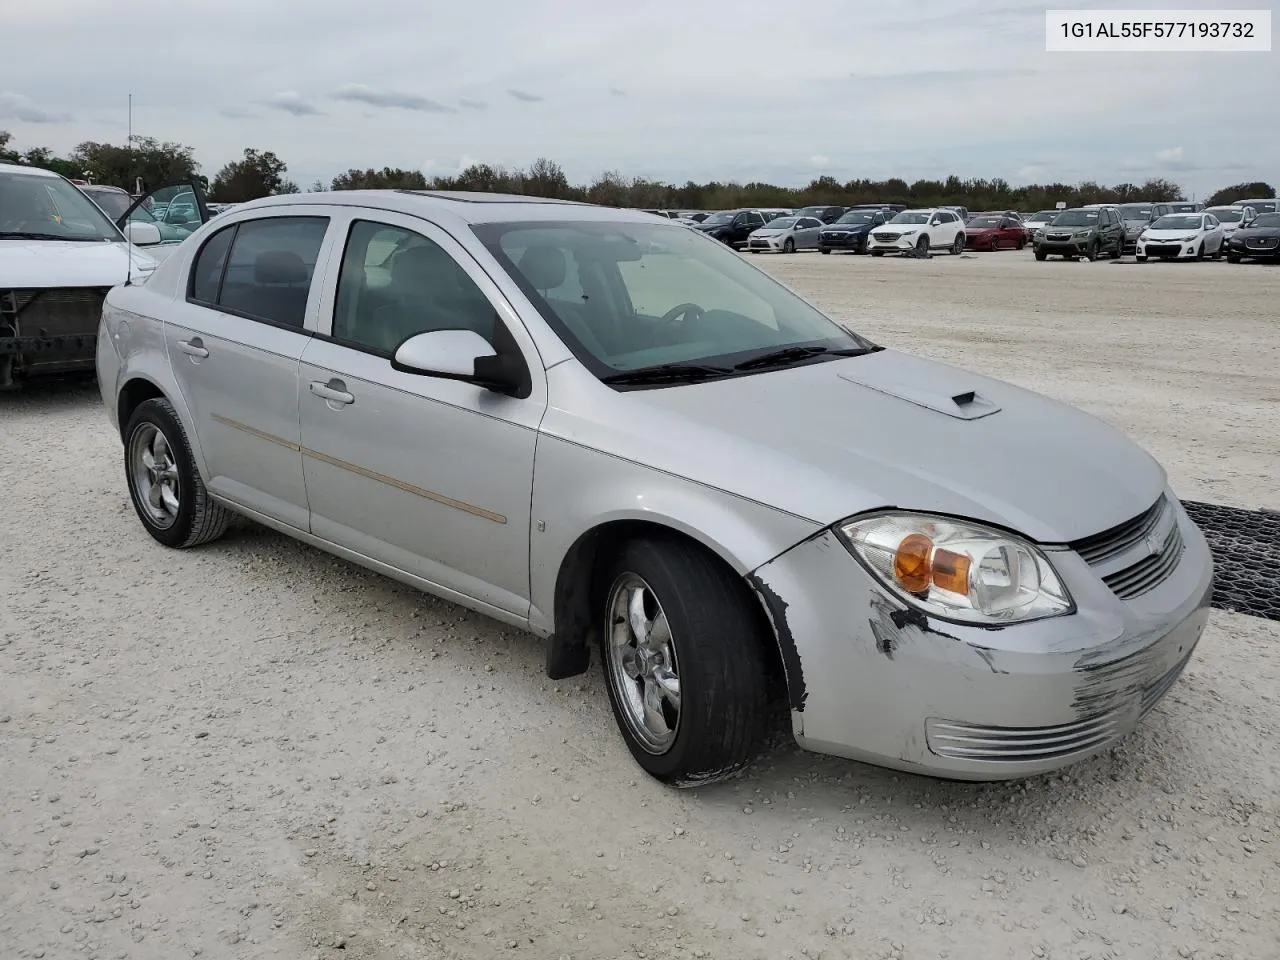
x=359 y=93
x=471 y=103
x=524 y=96
x=17 y=107
x=292 y=102
x=615 y=92
x=1171 y=155
x=237 y=113
x=818 y=160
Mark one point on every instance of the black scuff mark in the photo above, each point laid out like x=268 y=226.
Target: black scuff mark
x=776 y=610
x=887 y=624
x=989 y=658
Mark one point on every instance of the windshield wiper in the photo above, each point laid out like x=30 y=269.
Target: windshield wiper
x=787 y=355
x=668 y=373
x=24 y=235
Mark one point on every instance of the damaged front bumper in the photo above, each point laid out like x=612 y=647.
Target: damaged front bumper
x=871 y=679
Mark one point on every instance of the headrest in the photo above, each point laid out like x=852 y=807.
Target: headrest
x=279 y=266
x=543 y=266
x=425 y=269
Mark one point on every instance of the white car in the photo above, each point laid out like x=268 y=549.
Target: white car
x=59 y=255
x=1232 y=219
x=919 y=231
x=1182 y=236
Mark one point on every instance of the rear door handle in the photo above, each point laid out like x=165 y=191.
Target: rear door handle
x=334 y=391
x=193 y=347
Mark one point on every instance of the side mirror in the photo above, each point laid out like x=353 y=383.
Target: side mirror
x=460 y=355
x=142 y=234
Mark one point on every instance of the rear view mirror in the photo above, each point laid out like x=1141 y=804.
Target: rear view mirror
x=142 y=234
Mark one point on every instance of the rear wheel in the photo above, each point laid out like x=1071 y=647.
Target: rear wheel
x=164 y=484
x=683 y=661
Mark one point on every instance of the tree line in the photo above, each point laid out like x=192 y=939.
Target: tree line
x=260 y=173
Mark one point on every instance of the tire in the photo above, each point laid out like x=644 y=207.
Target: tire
x=1233 y=258
x=1200 y=251
x=196 y=518
x=1041 y=255
x=1022 y=244
x=824 y=250
x=1091 y=254
x=877 y=253
x=1119 y=252
x=957 y=245
x=716 y=653
x=788 y=246
x=922 y=247
x=1140 y=259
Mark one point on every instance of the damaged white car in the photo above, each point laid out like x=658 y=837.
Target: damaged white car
x=620 y=435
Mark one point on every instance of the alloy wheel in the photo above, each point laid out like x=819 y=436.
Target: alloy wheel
x=643 y=667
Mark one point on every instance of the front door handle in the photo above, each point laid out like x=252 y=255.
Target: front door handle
x=193 y=347
x=334 y=391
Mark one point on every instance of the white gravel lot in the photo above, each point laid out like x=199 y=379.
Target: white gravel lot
x=254 y=750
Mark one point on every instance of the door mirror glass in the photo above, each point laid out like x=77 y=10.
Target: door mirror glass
x=142 y=234
x=447 y=353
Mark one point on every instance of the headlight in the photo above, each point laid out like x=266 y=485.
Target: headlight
x=907 y=233
x=1080 y=235
x=1186 y=239
x=957 y=570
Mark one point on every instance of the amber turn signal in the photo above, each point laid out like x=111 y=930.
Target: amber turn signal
x=917 y=565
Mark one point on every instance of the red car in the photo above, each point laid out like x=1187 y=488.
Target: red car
x=994 y=231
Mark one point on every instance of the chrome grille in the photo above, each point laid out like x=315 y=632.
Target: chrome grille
x=966 y=741
x=1263 y=242
x=886 y=237
x=1137 y=555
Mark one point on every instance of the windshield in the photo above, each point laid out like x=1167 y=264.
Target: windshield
x=1177 y=222
x=1266 y=220
x=781 y=223
x=857 y=216
x=1136 y=211
x=1262 y=206
x=114 y=202
x=1076 y=218
x=911 y=216
x=978 y=223
x=718 y=218
x=813 y=211
x=628 y=296
x=50 y=208
x=1182 y=208
x=1227 y=214
x=1045 y=215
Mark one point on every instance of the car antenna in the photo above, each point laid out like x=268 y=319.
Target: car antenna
x=128 y=244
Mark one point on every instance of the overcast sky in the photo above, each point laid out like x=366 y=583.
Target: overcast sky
x=671 y=89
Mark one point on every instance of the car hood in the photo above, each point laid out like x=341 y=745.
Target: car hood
x=712 y=226
x=770 y=231
x=1246 y=233
x=831 y=439
x=849 y=227
x=1173 y=234
x=68 y=263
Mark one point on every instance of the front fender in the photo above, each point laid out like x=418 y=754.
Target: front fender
x=577 y=490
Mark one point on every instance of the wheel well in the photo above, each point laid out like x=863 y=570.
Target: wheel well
x=133 y=394
x=580 y=590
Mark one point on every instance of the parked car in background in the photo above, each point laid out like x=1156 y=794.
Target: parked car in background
x=827 y=214
x=1037 y=221
x=772 y=213
x=1137 y=217
x=1231 y=219
x=851 y=231
x=1185 y=206
x=785 y=235
x=732 y=226
x=1182 y=236
x=962 y=212
x=1260 y=240
x=941 y=572
x=113 y=201
x=1260 y=205
x=919 y=232
x=1081 y=232
x=59 y=254
x=994 y=231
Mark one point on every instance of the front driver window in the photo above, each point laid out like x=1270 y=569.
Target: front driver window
x=396 y=283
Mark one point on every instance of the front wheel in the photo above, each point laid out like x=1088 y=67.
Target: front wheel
x=922 y=247
x=1233 y=258
x=1140 y=258
x=789 y=246
x=824 y=250
x=1041 y=255
x=957 y=245
x=1091 y=253
x=164 y=484
x=877 y=253
x=683 y=662
x=1119 y=251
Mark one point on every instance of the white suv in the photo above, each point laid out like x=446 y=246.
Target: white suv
x=919 y=231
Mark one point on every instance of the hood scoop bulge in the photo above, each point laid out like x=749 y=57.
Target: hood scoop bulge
x=941 y=390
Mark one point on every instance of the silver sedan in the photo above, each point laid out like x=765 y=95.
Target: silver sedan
x=785 y=235
x=623 y=437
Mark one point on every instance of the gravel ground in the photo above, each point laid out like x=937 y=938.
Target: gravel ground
x=255 y=750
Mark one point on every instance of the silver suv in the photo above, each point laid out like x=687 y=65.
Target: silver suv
x=620 y=435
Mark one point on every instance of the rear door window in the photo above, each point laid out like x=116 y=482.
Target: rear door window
x=269 y=270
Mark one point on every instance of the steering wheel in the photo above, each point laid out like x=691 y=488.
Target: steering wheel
x=690 y=311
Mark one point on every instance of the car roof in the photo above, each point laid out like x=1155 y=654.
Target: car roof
x=24 y=168
x=467 y=206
